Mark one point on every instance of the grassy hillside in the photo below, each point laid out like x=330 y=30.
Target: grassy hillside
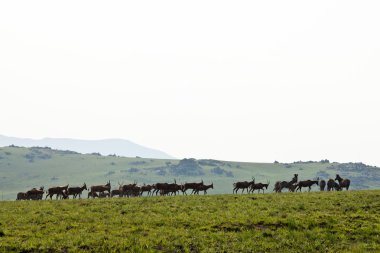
x=288 y=222
x=24 y=168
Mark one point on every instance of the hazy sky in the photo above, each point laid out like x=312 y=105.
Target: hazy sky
x=233 y=80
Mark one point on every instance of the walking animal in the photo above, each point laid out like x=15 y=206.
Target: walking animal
x=146 y=188
x=192 y=186
x=204 y=188
x=76 y=191
x=59 y=190
x=307 y=183
x=243 y=185
x=259 y=187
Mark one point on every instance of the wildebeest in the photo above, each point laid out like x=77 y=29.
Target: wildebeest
x=337 y=186
x=101 y=188
x=146 y=188
x=192 y=186
x=22 y=196
x=166 y=189
x=116 y=192
x=292 y=187
x=35 y=194
x=130 y=190
x=92 y=194
x=279 y=185
x=104 y=194
x=322 y=185
x=76 y=191
x=330 y=184
x=306 y=183
x=259 y=187
x=343 y=183
x=204 y=188
x=242 y=185
x=59 y=190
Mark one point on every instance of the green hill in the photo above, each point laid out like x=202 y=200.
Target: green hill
x=309 y=222
x=24 y=168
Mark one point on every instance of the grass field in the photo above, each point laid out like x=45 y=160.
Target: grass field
x=24 y=168
x=286 y=222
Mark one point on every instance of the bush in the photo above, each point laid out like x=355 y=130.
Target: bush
x=187 y=167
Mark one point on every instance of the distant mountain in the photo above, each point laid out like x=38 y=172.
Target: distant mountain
x=118 y=147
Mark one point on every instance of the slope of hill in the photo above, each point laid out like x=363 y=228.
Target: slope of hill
x=23 y=168
x=105 y=147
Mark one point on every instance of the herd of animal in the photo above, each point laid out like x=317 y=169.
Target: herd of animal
x=124 y=190
x=293 y=185
x=133 y=190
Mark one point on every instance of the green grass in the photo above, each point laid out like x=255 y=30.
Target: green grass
x=286 y=222
x=24 y=168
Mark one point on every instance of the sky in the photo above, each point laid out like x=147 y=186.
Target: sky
x=254 y=81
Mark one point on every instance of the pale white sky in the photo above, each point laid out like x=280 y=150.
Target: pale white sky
x=233 y=80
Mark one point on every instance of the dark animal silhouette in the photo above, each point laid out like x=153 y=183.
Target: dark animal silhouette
x=59 y=190
x=146 y=188
x=192 y=186
x=116 y=192
x=101 y=188
x=337 y=187
x=22 y=196
x=130 y=190
x=204 y=188
x=279 y=185
x=76 y=191
x=343 y=183
x=243 y=185
x=330 y=184
x=322 y=185
x=35 y=194
x=259 y=187
x=306 y=183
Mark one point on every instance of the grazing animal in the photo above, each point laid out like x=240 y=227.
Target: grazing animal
x=204 y=188
x=343 y=183
x=279 y=185
x=59 y=190
x=307 y=183
x=322 y=185
x=243 y=185
x=22 y=196
x=92 y=194
x=104 y=194
x=76 y=191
